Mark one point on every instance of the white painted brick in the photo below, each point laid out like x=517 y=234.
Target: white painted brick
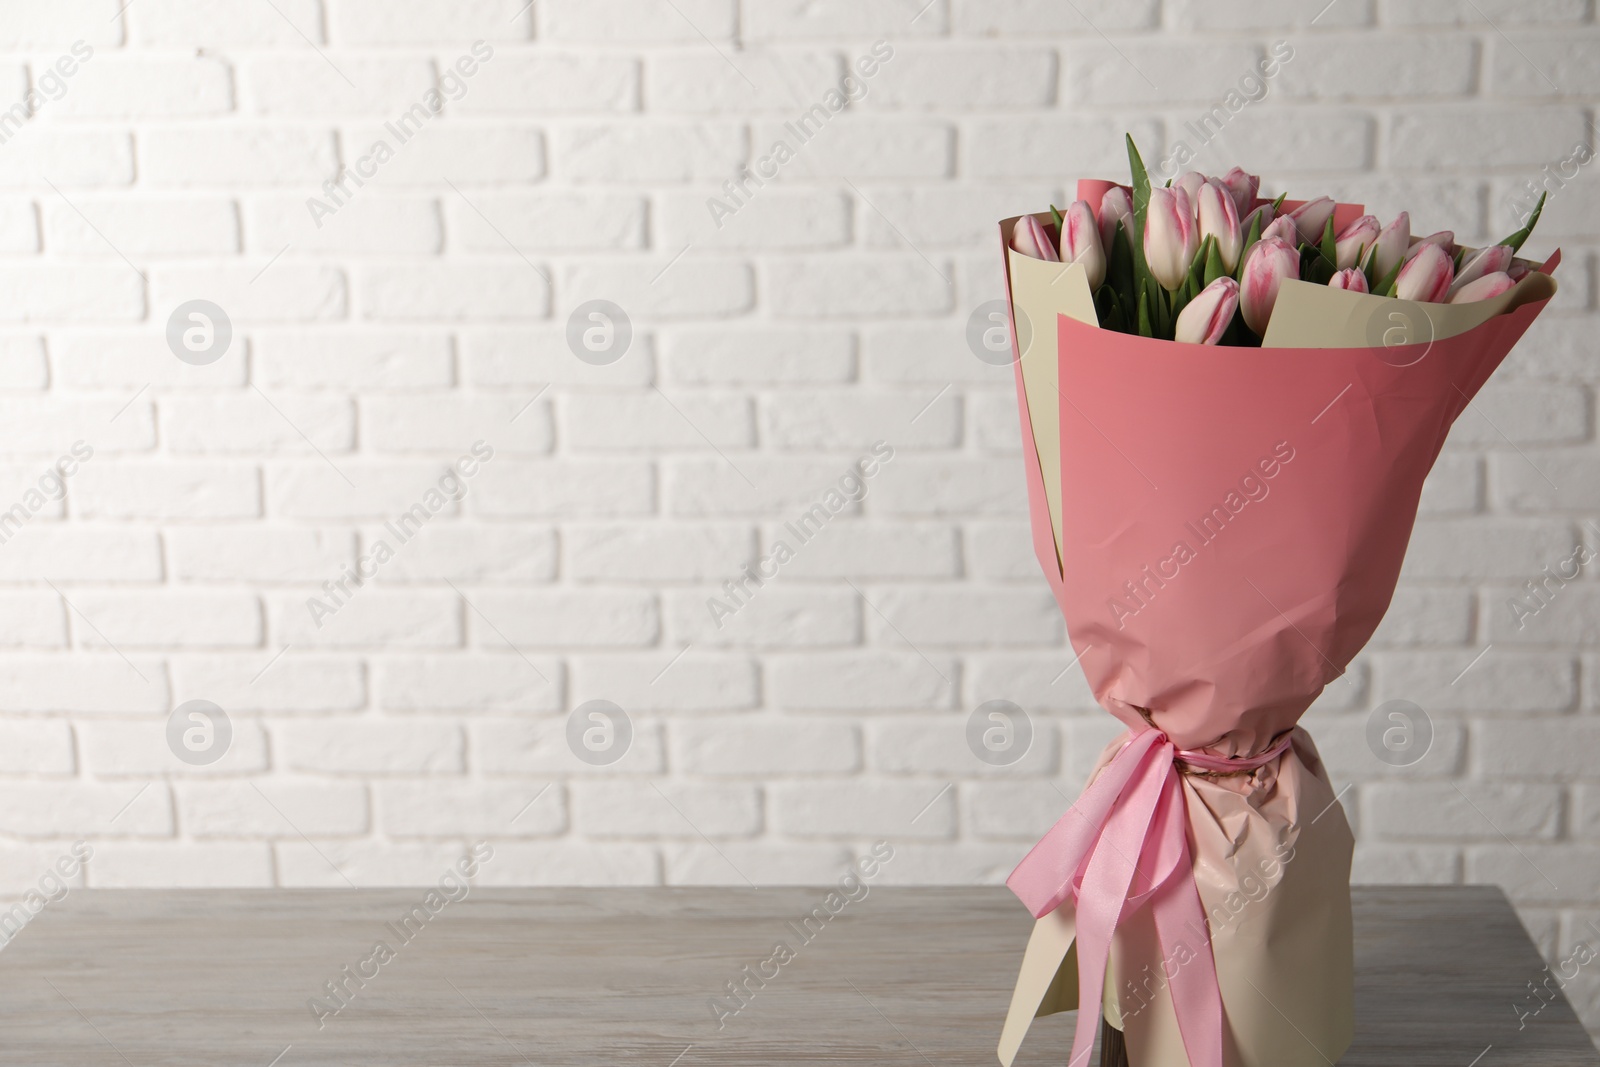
x=1338 y=67
x=990 y=77
x=786 y=863
x=166 y=618
x=473 y=289
x=304 y=85
x=784 y=616
x=645 y=810
x=768 y=746
x=1425 y=615
x=82 y=292
x=369 y=361
x=1527 y=65
x=52 y=809
x=280 y=808
x=967 y=618
x=282 y=292
x=369 y=618
x=688 y=288
x=1453 y=487
x=756 y=356
x=37 y=746
x=270 y=680
x=1534 y=748
x=1241 y=15
x=255 y=422
x=203 y=155
x=1535 y=873
x=571 y=489
x=167 y=489
x=31 y=27
x=466 y=153
x=537 y=745
x=68 y=157
x=133 y=361
x=81 y=552
x=888 y=285
x=1060 y=147
x=368 y=222
x=1024 y=811
x=342 y=864
x=1570 y=613
x=1098 y=73
x=893 y=810
x=1038 y=681
x=183 y=864
x=1473 y=812
x=146 y=226
x=1342 y=743
x=265 y=554
x=1540 y=481
x=632 y=20
x=1523 y=413
x=907 y=354
x=847 y=19
x=915 y=486
x=828 y=420
x=539 y=356
x=854 y=681
x=22 y=363
x=994 y=423
x=175 y=22
x=632 y=552
x=871 y=550
x=567 y=83
x=590 y=618
x=356 y=489
x=1034 y=18
x=128 y=87
x=1486 y=548
x=476 y=809
x=139 y=749
x=647 y=151
x=756 y=486
x=498 y=682
x=475 y=553
x=1320 y=140
x=1443 y=12
x=1502 y=681
x=371 y=745
x=453 y=423
x=546 y=221
x=1377 y=864
x=93 y=684
x=904 y=745
x=866 y=146
x=19 y=232
x=921 y=863
x=657 y=421
x=770 y=218
x=1001 y=551
x=758 y=80
x=564 y=863
x=1428 y=138
x=358 y=22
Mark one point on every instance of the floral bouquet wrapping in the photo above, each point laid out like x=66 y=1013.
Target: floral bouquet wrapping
x=1229 y=406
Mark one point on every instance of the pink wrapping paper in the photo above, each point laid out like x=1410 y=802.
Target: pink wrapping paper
x=1233 y=522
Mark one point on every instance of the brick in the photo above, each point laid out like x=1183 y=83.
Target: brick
x=308 y=85
x=371 y=361
x=755 y=486
x=277 y=680
x=1377 y=864
x=276 y=808
x=539 y=356
x=769 y=218
x=146 y=226
x=962 y=618
x=1527 y=65
x=1424 y=615
x=66 y=808
x=1453 y=487
x=641 y=22
x=908 y=353
x=1523 y=413
x=468 y=153
x=1100 y=74
x=36 y=746
x=1429 y=138
x=1240 y=15
x=77 y=293
x=1486 y=548
x=368 y=617
x=894 y=810
x=756 y=355
x=70 y=158
x=994 y=423
x=690 y=287
x=29 y=27
x=831 y=19
x=359 y=489
x=647 y=150
x=827 y=420
x=570 y=489
x=140 y=749
x=646 y=810
x=133 y=361
x=759 y=80
x=871 y=550
x=376 y=22
x=1468 y=812
x=1050 y=146
x=1545 y=480
x=904 y=745
x=167 y=618
x=22 y=363
x=1316 y=140
x=886 y=285
x=683 y=681
x=562 y=863
x=445 y=423
x=547 y=221
x=284 y=424
x=551 y=81
x=538 y=745
x=865 y=146
x=176 y=23
x=1502 y=681
x=468 y=683
x=781 y=617
x=1534 y=748
x=367 y=222
x=767 y=746
x=964 y=864
x=1560 y=613
x=1023 y=811
x=345 y=864
x=656 y=421
x=269 y=555
x=675 y=552
x=510 y=289
x=125 y=87
x=849 y=681
x=54 y=426
x=563 y=619
x=81 y=552
x=475 y=553
x=1446 y=13
x=989 y=77
x=283 y=292
x=1344 y=67
x=1001 y=551
x=761 y=864
x=915 y=486
x=1536 y=873
x=182 y=864
x=236 y=155
x=451 y=809
x=167 y=489
x=1035 y=18
x=375 y=746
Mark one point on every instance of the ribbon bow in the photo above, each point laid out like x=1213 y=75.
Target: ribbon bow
x=1122 y=845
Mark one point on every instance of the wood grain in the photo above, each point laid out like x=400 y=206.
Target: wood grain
x=603 y=978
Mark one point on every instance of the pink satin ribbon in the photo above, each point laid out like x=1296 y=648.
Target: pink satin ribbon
x=1121 y=846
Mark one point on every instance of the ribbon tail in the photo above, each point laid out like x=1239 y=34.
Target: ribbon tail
x=1180 y=920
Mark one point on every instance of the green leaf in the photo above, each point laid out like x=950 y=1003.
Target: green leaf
x=1277 y=205
x=1516 y=239
x=1215 y=268
x=1145 y=329
x=1055 y=216
x=1141 y=210
x=1330 y=246
x=1251 y=239
x=1385 y=286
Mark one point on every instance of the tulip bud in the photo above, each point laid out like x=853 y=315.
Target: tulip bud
x=1080 y=242
x=1311 y=218
x=1483 y=261
x=1283 y=229
x=1270 y=262
x=1519 y=270
x=1030 y=239
x=1427 y=276
x=1390 y=246
x=1116 y=206
x=1170 y=237
x=1244 y=188
x=1218 y=217
x=1355 y=239
x=1483 y=288
x=1204 y=319
x=1445 y=239
x=1351 y=279
x=1190 y=182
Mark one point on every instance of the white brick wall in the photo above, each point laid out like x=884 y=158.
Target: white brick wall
x=431 y=309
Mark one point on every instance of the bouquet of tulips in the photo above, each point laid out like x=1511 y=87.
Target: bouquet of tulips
x=1178 y=262
x=1223 y=528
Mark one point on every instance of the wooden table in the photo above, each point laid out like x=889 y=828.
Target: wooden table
x=626 y=976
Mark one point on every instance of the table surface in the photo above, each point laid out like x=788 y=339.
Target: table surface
x=626 y=977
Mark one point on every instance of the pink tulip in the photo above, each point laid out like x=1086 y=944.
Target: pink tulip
x=1390 y=246
x=1190 y=182
x=1264 y=212
x=1350 y=279
x=1170 y=237
x=1283 y=229
x=1270 y=262
x=1445 y=239
x=1311 y=218
x=1218 y=217
x=1482 y=289
x=1427 y=276
x=1484 y=261
x=1030 y=239
x=1080 y=242
x=1519 y=270
x=1355 y=238
x=1204 y=319
x=1244 y=189
x=1116 y=206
